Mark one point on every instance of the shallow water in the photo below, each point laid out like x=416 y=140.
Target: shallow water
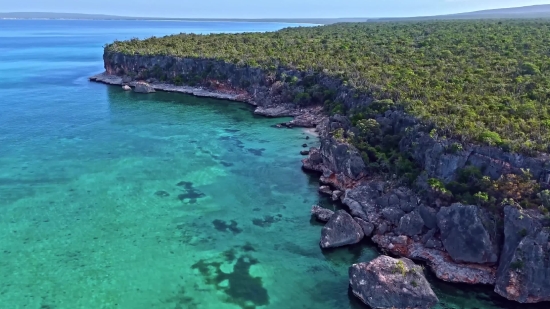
x=111 y=199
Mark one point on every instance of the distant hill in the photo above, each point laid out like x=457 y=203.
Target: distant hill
x=531 y=11
x=535 y=11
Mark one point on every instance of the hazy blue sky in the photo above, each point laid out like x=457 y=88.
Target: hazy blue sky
x=261 y=8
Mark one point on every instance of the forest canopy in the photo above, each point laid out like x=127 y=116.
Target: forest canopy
x=485 y=81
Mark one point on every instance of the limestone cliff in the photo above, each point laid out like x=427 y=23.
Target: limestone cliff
x=461 y=243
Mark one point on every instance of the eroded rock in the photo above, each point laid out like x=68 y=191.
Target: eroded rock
x=142 y=87
x=325 y=190
x=321 y=214
x=393 y=214
x=341 y=230
x=467 y=234
x=336 y=195
x=411 y=224
x=367 y=227
x=524 y=269
x=314 y=162
x=386 y=282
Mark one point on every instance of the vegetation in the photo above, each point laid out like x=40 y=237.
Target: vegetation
x=400 y=268
x=517 y=265
x=471 y=187
x=485 y=81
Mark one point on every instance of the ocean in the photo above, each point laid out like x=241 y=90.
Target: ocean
x=111 y=199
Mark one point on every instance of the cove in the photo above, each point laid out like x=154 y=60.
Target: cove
x=111 y=199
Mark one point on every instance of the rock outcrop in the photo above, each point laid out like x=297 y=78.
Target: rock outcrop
x=468 y=234
x=321 y=214
x=391 y=283
x=397 y=216
x=126 y=88
x=142 y=87
x=325 y=190
x=314 y=162
x=524 y=269
x=341 y=230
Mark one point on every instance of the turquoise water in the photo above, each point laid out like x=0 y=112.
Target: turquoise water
x=111 y=199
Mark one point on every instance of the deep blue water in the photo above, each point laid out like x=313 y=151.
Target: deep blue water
x=111 y=199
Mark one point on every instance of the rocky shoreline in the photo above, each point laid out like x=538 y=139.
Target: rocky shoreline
x=303 y=117
x=460 y=243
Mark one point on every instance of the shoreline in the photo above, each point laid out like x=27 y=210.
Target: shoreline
x=194 y=91
x=305 y=117
x=344 y=176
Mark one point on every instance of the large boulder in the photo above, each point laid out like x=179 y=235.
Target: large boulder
x=142 y=87
x=468 y=234
x=524 y=270
x=342 y=158
x=391 y=283
x=361 y=201
x=341 y=230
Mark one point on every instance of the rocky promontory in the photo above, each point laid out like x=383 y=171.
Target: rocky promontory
x=390 y=171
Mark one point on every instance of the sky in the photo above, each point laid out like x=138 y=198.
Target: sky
x=261 y=8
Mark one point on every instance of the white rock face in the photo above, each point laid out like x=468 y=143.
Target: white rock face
x=142 y=87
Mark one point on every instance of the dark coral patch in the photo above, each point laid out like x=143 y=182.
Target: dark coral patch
x=186 y=184
x=242 y=289
x=256 y=152
x=191 y=194
x=223 y=226
x=248 y=247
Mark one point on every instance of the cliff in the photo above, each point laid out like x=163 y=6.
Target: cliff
x=418 y=219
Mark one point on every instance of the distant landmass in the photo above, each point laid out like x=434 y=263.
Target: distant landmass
x=47 y=15
x=535 y=11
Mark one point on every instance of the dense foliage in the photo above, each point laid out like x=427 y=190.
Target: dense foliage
x=487 y=81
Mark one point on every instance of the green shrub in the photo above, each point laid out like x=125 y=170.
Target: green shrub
x=491 y=138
